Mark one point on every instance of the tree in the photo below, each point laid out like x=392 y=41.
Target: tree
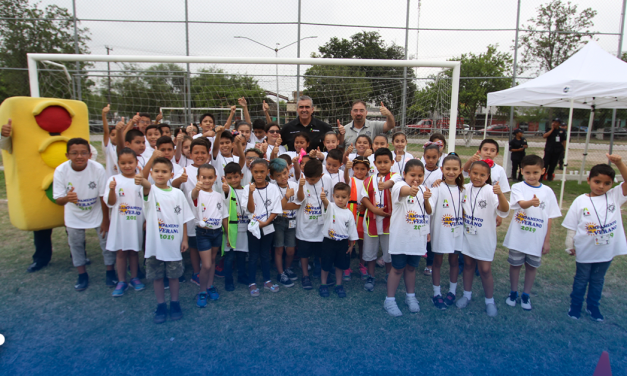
x=363 y=45
x=28 y=29
x=556 y=32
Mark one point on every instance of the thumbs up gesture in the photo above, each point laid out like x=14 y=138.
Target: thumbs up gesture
x=112 y=184
x=278 y=142
x=535 y=201
x=319 y=154
x=384 y=111
x=252 y=187
x=496 y=188
x=413 y=191
x=381 y=185
x=72 y=196
x=265 y=106
x=198 y=186
x=614 y=158
x=139 y=178
x=475 y=157
x=368 y=153
x=225 y=186
x=313 y=154
x=301 y=182
x=106 y=109
x=6 y=128
x=120 y=125
x=289 y=193
x=159 y=117
x=349 y=149
x=242 y=102
x=427 y=194
x=340 y=128
x=183 y=176
x=398 y=158
x=323 y=196
x=349 y=165
x=136 y=118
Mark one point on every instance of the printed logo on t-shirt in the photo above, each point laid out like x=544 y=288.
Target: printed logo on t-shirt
x=483 y=204
x=312 y=211
x=611 y=208
x=219 y=206
x=177 y=209
x=121 y=192
x=267 y=204
x=69 y=187
x=167 y=231
x=528 y=223
x=542 y=205
x=415 y=219
x=464 y=200
x=211 y=221
x=335 y=236
x=445 y=204
x=158 y=208
x=128 y=212
x=92 y=185
x=586 y=212
x=595 y=229
x=449 y=221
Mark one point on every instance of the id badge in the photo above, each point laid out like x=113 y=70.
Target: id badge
x=320 y=220
x=291 y=223
x=471 y=230
x=457 y=231
x=557 y=138
x=269 y=229
x=602 y=239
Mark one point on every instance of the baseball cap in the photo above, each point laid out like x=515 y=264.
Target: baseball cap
x=558 y=120
x=517 y=131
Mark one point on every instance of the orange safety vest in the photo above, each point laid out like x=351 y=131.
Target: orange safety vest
x=353 y=205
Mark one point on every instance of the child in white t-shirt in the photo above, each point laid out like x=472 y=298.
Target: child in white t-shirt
x=363 y=147
x=433 y=173
x=126 y=232
x=440 y=140
x=79 y=185
x=409 y=229
x=340 y=233
x=182 y=151
x=379 y=141
x=489 y=149
x=399 y=155
x=222 y=153
x=596 y=235
x=108 y=143
x=167 y=213
x=333 y=174
x=360 y=167
x=529 y=233
x=481 y=202
x=165 y=148
x=249 y=156
x=273 y=141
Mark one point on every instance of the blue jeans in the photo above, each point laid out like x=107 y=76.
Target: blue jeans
x=259 y=248
x=240 y=258
x=592 y=274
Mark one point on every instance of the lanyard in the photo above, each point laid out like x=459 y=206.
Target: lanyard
x=401 y=165
x=424 y=182
x=265 y=202
x=459 y=198
x=380 y=192
x=595 y=211
x=318 y=198
x=418 y=201
x=242 y=213
x=472 y=207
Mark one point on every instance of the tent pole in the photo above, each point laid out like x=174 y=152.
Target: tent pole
x=570 y=124
x=485 y=126
x=585 y=152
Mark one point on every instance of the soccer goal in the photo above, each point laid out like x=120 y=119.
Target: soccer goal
x=422 y=95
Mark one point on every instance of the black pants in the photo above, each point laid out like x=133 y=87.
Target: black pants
x=516 y=175
x=550 y=162
x=43 y=246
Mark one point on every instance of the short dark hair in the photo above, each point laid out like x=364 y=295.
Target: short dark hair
x=163 y=160
x=254 y=150
x=383 y=151
x=385 y=136
x=232 y=168
x=267 y=127
x=398 y=134
x=602 y=169
x=227 y=135
x=342 y=187
x=78 y=141
x=153 y=126
x=164 y=125
x=313 y=168
x=239 y=123
x=206 y=166
x=259 y=124
x=259 y=161
x=145 y=114
x=287 y=158
x=413 y=163
x=200 y=141
x=164 y=140
x=127 y=150
x=438 y=136
x=358 y=101
x=203 y=116
x=303 y=135
x=277 y=165
x=489 y=141
x=532 y=160
x=130 y=135
x=336 y=154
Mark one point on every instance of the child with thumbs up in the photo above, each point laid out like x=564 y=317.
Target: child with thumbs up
x=528 y=236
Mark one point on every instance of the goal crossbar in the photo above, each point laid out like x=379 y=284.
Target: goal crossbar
x=33 y=58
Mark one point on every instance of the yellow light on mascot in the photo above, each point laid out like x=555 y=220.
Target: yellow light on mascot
x=41 y=129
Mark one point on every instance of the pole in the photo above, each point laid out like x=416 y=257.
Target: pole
x=585 y=152
x=454 y=101
x=76 y=51
x=278 y=113
x=570 y=124
x=485 y=126
x=404 y=98
x=618 y=54
x=511 y=111
x=188 y=90
x=109 y=75
x=297 y=55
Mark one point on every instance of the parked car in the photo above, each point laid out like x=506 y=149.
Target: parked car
x=618 y=132
x=497 y=129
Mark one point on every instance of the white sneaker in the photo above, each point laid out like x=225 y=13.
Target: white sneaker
x=462 y=302
x=412 y=302
x=491 y=310
x=511 y=302
x=391 y=308
x=525 y=305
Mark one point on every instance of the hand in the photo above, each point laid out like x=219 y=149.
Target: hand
x=136 y=118
x=179 y=137
x=189 y=129
x=350 y=248
x=546 y=247
x=384 y=111
x=198 y=186
x=323 y=196
x=349 y=149
x=112 y=184
x=319 y=154
x=380 y=186
x=252 y=187
x=312 y=154
x=242 y=102
x=104 y=227
x=262 y=146
x=159 y=117
x=72 y=196
x=233 y=108
x=382 y=213
x=499 y=221
x=120 y=125
x=225 y=186
x=219 y=129
x=184 y=246
x=6 y=128
x=571 y=252
x=349 y=165
x=289 y=193
x=301 y=182
x=183 y=176
x=535 y=201
x=428 y=238
x=240 y=139
x=496 y=188
x=265 y=106
x=614 y=158
x=340 y=128
x=295 y=161
x=436 y=183
x=398 y=158
x=157 y=154
x=106 y=109
x=476 y=157
x=278 y=142
x=139 y=178
x=413 y=191
x=368 y=153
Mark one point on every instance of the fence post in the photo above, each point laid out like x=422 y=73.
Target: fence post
x=404 y=98
x=511 y=111
x=76 y=51
x=297 y=65
x=188 y=82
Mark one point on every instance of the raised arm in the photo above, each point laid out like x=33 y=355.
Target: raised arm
x=242 y=102
x=390 y=123
x=179 y=147
x=618 y=161
x=266 y=107
x=105 y=125
x=239 y=139
x=216 y=147
x=112 y=198
x=229 y=120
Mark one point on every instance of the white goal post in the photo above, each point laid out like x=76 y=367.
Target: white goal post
x=239 y=110
x=33 y=58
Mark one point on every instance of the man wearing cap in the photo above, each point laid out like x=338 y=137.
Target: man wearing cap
x=554 y=147
x=517 y=147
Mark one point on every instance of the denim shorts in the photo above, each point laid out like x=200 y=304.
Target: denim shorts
x=283 y=235
x=191 y=242
x=208 y=238
x=400 y=261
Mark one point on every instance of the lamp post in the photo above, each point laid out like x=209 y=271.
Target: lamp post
x=276 y=54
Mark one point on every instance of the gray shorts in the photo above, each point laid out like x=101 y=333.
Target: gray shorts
x=371 y=247
x=76 y=241
x=156 y=269
x=283 y=235
x=516 y=258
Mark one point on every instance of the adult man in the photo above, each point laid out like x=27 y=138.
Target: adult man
x=554 y=147
x=305 y=122
x=360 y=125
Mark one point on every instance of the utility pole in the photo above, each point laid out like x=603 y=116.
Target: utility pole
x=76 y=51
x=404 y=98
x=618 y=54
x=109 y=76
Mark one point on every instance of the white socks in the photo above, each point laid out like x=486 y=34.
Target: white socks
x=468 y=295
x=453 y=288
x=436 y=291
x=489 y=301
x=410 y=294
x=391 y=299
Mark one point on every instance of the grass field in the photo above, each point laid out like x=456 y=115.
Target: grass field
x=51 y=329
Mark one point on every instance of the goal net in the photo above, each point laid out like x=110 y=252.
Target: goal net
x=421 y=95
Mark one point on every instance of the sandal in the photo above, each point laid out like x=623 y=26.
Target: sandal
x=427 y=271
x=269 y=286
x=254 y=291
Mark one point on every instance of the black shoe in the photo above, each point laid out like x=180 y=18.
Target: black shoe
x=285 y=280
x=82 y=283
x=87 y=261
x=112 y=278
x=574 y=312
x=161 y=313
x=331 y=280
x=449 y=299
x=35 y=267
x=339 y=290
x=324 y=291
x=228 y=284
x=182 y=279
x=438 y=302
x=166 y=283
x=595 y=314
x=306 y=282
x=175 y=311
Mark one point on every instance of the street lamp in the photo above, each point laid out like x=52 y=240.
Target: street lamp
x=276 y=52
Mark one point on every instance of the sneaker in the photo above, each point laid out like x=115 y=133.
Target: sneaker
x=525 y=302
x=346 y=275
x=306 y=282
x=166 y=283
x=220 y=269
x=201 y=300
x=285 y=280
x=595 y=313
x=449 y=299
x=181 y=280
x=491 y=310
x=339 y=290
x=161 y=313
x=511 y=299
x=390 y=307
x=196 y=280
x=175 y=311
x=119 y=289
x=324 y=291
x=369 y=286
x=213 y=293
x=412 y=303
x=331 y=280
x=438 y=302
x=363 y=271
x=112 y=278
x=380 y=262
x=228 y=284
x=462 y=302
x=574 y=312
x=82 y=283
x=290 y=274
x=137 y=284
x=428 y=271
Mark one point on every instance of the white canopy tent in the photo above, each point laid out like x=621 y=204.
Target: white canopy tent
x=591 y=78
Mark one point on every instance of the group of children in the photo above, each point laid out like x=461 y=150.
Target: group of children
x=240 y=194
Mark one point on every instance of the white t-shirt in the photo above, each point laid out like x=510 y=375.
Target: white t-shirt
x=271 y=147
x=447 y=219
x=288 y=214
x=339 y=224
x=528 y=227
x=329 y=181
x=218 y=163
x=373 y=169
x=308 y=227
x=111 y=160
x=480 y=210
x=379 y=198
x=409 y=225
x=399 y=166
x=141 y=161
x=431 y=177
x=247 y=176
x=185 y=162
x=497 y=173
x=267 y=201
x=187 y=188
x=178 y=171
x=243 y=218
x=593 y=217
x=148 y=152
x=127 y=215
x=209 y=209
x=166 y=212
x=89 y=185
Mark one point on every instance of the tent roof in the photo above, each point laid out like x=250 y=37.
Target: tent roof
x=590 y=76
